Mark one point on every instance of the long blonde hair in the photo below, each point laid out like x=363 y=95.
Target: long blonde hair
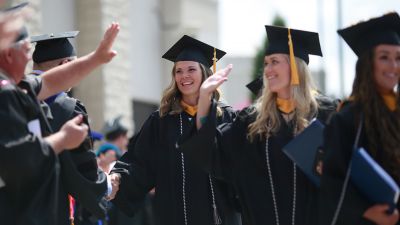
x=170 y=102
x=267 y=111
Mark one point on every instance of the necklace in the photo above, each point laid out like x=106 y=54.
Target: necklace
x=217 y=218
x=271 y=182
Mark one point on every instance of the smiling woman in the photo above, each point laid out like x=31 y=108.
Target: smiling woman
x=372 y=113
x=248 y=151
x=186 y=195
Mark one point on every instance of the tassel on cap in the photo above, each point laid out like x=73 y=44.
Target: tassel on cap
x=215 y=61
x=293 y=66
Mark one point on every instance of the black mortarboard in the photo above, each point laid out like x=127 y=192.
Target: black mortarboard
x=367 y=34
x=23 y=32
x=53 y=46
x=113 y=128
x=256 y=85
x=304 y=42
x=190 y=49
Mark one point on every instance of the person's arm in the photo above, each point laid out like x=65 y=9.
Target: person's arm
x=339 y=137
x=206 y=91
x=72 y=73
x=135 y=172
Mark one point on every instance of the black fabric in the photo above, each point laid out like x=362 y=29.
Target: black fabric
x=155 y=162
x=80 y=174
x=27 y=163
x=256 y=85
x=304 y=42
x=339 y=139
x=190 y=49
x=367 y=34
x=235 y=159
x=53 y=46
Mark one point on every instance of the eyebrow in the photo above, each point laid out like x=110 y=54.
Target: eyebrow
x=387 y=51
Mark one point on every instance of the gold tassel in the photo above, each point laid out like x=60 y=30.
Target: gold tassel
x=293 y=67
x=215 y=61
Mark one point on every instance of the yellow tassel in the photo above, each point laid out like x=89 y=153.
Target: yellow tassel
x=215 y=61
x=293 y=67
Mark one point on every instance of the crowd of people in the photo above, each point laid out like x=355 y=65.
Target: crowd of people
x=196 y=160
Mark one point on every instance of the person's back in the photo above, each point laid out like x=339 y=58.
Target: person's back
x=80 y=175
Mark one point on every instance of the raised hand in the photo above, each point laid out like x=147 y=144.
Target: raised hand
x=206 y=91
x=214 y=81
x=104 y=52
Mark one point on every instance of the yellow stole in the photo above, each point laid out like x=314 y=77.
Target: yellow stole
x=191 y=110
x=285 y=105
x=390 y=100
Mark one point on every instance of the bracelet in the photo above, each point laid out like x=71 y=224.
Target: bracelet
x=203 y=120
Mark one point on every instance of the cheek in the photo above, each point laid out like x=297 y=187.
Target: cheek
x=198 y=77
x=284 y=74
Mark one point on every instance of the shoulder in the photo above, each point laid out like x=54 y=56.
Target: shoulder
x=35 y=82
x=153 y=120
x=326 y=107
x=246 y=115
x=327 y=103
x=347 y=114
x=8 y=90
x=6 y=86
x=228 y=113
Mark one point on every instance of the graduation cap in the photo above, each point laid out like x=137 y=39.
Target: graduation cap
x=190 y=49
x=304 y=42
x=294 y=42
x=53 y=46
x=23 y=33
x=256 y=85
x=113 y=128
x=367 y=34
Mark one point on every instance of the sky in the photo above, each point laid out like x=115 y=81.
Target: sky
x=242 y=29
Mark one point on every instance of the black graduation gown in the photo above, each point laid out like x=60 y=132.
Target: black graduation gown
x=156 y=162
x=27 y=163
x=339 y=139
x=79 y=175
x=244 y=163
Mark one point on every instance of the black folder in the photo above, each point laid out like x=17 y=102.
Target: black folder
x=304 y=150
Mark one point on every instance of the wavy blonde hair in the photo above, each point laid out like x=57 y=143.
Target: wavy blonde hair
x=170 y=102
x=267 y=120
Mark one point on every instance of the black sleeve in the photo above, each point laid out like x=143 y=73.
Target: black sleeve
x=137 y=168
x=35 y=82
x=80 y=174
x=206 y=147
x=23 y=155
x=339 y=137
x=326 y=108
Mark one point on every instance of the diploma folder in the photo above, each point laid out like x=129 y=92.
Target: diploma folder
x=304 y=150
x=372 y=180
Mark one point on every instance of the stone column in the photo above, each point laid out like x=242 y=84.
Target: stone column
x=105 y=92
